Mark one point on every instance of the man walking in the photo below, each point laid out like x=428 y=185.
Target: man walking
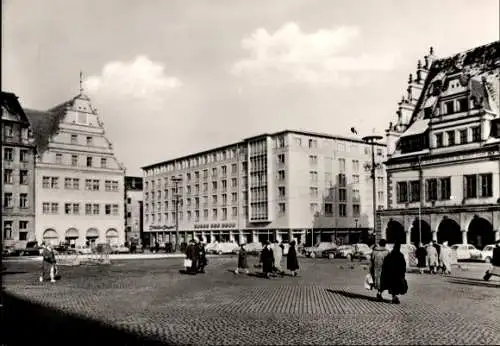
x=242 y=260
x=495 y=263
x=48 y=264
x=277 y=256
x=376 y=264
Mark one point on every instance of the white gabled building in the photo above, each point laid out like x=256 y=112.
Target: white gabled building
x=79 y=181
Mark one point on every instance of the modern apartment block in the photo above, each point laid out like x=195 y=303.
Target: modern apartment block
x=290 y=184
x=79 y=181
x=18 y=174
x=133 y=209
x=444 y=159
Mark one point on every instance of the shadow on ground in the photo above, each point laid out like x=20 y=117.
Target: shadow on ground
x=48 y=325
x=473 y=282
x=353 y=295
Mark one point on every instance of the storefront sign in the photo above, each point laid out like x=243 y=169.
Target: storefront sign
x=162 y=227
x=215 y=226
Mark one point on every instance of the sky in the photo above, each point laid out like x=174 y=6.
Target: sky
x=173 y=77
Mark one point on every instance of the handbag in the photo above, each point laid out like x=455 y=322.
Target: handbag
x=188 y=263
x=368 y=282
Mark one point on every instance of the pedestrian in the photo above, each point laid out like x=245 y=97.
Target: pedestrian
x=191 y=254
x=495 y=263
x=445 y=258
x=376 y=263
x=292 y=263
x=393 y=273
x=438 y=249
x=266 y=258
x=277 y=256
x=421 y=254
x=202 y=257
x=242 y=260
x=157 y=246
x=48 y=263
x=432 y=257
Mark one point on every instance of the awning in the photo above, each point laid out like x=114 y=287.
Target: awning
x=72 y=233
x=92 y=233
x=112 y=233
x=417 y=128
x=50 y=234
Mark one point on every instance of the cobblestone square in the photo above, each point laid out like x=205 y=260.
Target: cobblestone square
x=325 y=304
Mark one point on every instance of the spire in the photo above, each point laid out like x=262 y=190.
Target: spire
x=81 y=82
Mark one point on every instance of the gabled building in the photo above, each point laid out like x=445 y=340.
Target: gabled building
x=443 y=168
x=79 y=181
x=18 y=174
x=133 y=210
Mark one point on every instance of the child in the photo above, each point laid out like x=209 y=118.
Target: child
x=242 y=260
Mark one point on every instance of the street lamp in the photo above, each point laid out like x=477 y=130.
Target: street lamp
x=177 y=181
x=372 y=140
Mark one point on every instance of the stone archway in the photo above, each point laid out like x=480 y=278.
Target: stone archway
x=480 y=232
x=449 y=230
x=112 y=236
x=395 y=232
x=417 y=236
x=50 y=236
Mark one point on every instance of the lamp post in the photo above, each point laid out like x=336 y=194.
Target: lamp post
x=176 y=181
x=372 y=140
x=422 y=196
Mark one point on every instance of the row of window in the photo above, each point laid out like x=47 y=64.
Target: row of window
x=449 y=138
x=74 y=208
x=165 y=205
x=166 y=217
x=8 y=176
x=8 y=200
x=74 y=184
x=438 y=189
x=89 y=141
x=9 y=155
x=75 y=161
x=8 y=233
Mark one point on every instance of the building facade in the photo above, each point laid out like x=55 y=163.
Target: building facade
x=133 y=209
x=284 y=185
x=444 y=160
x=18 y=174
x=79 y=181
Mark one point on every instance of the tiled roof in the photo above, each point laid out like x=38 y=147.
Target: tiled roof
x=11 y=103
x=44 y=125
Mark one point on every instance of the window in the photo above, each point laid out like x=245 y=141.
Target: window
x=342 y=210
x=355 y=196
x=90 y=141
x=415 y=191
x=8 y=130
x=7 y=200
x=224 y=171
x=281 y=191
x=281 y=158
x=281 y=175
x=68 y=183
x=54 y=208
x=380 y=195
x=88 y=209
x=486 y=181
x=313 y=192
x=313 y=143
x=23 y=225
x=89 y=161
x=234 y=183
x=95 y=185
x=313 y=160
x=342 y=180
x=234 y=212
x=234 y=197
x=54 y=182
x=214 y=172
x=104 y=162
x=224 y=185
x=470 y=186
x=224 y=213
x=7 y=229
x=380 y=181
x=445 y=188
x=328 y=209
x=214 y=214
x=214 y=186
x=107 y=209
x=342 y=165
x=23 y=155
x=74 y=139
x=74 y=160
x=68 y=208
x=463 y=105
x=59 y=159
x=355 y=165
x=431 y=190
x=23 y=177
x=224 y=199
x=234 y=168
x=402 y=192
x=476 y=134
x=342 y=195
x=8 y=154
x=439 y=140
x=95 y=209
x=356 y=210
x=451 y=137
x=282 y=208
x=7 y=176
x=313 y=176
x=45 y=208
x=463 y=136
x=76 y=208
x=355 y=179
x=427 y=112
x=115 y=209
x=448 y=106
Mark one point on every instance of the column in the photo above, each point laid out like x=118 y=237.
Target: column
x=252 y=236
x=231 y=236
x=408 y=237
x=290 y=235
x=497 y=235
x=212 y=236
x=203 y=237
x=464 y=237
x=277 y=235
x=434 y=236
x=243 y=240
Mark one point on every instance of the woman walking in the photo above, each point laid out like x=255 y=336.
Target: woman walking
x=242 y=260
x=292 y=262
x=421 y=255
x=393 y=273
x=267 y=260
x=445 y=258
x=432 y=258
x=376 y=263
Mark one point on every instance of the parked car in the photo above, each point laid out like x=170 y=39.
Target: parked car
x=103 y=248
x=340 y=252
x=487 y=253
x=317 y=250
x=83 y=250
x=360 y=251
x=31 y=249
x=8 y=251
x=119 y=249
x=467 y=252
x=253 y=248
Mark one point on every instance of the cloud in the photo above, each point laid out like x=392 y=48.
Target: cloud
x=140 y=79
x=291 y=56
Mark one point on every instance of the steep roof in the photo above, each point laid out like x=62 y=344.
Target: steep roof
x=11 y=102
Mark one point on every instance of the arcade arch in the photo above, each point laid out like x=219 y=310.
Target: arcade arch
x=480 y=232
x=418 y=235
x=50 y=236
x=395 y=232
x=112 y=236
x=449 y=230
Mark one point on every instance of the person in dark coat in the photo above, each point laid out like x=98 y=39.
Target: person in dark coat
x=292 y=262
x=157 y=246
x=192 y=254
x=495 y=263
x=202 y=258
x=242 y=260
x=421 y=254
x=267 y=260
x=48 y=264
x=393 y=273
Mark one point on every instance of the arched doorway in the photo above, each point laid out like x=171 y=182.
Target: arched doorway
x=449 y=230
x=112 y=237
x=395 y=232
x=50 y=237
x=416 y=233
x=71 y=236
x=480 y=232
x=92 y=236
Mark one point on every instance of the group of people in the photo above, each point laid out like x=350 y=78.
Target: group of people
x=435 y=257
x=196 y=253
